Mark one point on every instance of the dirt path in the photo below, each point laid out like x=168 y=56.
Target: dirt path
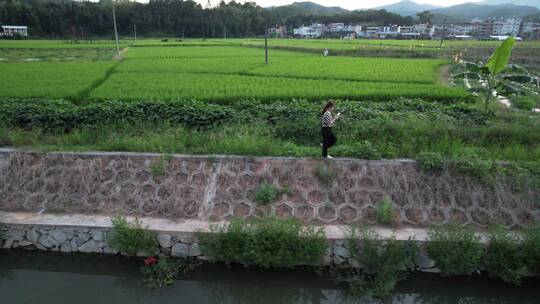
x=443 y=75
x=120 y=56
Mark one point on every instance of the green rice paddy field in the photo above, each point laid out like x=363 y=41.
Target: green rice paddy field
x=382 y=43
x=208 y=70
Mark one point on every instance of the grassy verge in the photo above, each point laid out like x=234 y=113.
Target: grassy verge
x=369 y=130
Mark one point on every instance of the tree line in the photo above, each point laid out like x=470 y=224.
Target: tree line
x=84 y=19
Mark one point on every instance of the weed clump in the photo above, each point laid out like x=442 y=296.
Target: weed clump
x=384 y=211
x=456 y=250
x=130 y=238
x=267 y=242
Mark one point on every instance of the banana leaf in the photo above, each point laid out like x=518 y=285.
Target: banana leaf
x=520 y=78
x=515 y=69
x=508 y=89
x=468 y=75
x=500 y=58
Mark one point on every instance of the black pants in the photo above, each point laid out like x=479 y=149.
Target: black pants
x=328 y=140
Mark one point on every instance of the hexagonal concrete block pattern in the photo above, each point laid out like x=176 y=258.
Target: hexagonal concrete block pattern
x=242 y=210
x=327 y=212
x=305 y=212
x=284 y=210
x=348 y=213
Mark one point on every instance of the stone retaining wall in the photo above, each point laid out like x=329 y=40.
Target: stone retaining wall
x=87 y=234
x=221 y=187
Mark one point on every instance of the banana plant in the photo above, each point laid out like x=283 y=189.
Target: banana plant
x=497 y=76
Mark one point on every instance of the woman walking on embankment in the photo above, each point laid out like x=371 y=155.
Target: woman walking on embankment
x=328 y=137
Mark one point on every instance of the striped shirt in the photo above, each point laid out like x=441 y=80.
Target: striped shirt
x=327 y=120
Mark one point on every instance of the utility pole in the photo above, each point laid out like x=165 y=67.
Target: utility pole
x=135 y=32
x=266 y=41
x=115 y=30
x=443 y=34
x=224 y=31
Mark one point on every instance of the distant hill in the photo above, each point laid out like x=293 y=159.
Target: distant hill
x=306 y=7
x=533 y=18
x=407 y=8
x=535 y=3
x=465 y=12
x=452 y=14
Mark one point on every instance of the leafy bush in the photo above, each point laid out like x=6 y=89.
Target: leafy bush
x=366 y=150
x=267 y=242
x=456 y=250
x=531 y=248
x=524 y=102
x=430 y=161
x=504 y=257
x=162 y=271
x=303 y=128
x=130 y=238
x=472 y=165
x=384 y=263
x=384 y=211
x=59 y=115
x=266 y=194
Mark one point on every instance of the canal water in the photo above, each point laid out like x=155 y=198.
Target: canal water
x=34 y=277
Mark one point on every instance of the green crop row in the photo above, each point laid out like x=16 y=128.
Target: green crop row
x=218 y=51
x=51 y=79
x=60 y=115
x=380 y=43
x=187 y=42
x=69 y=54
x=360 y=69
x=64 y=115
x=314 y=67
x=195 y=65
x=59 y=44
x=214 y=87
x=169 y=73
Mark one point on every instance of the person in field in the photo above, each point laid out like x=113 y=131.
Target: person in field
x=328 y=137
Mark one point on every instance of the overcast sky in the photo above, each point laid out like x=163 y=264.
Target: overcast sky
x=348 y=4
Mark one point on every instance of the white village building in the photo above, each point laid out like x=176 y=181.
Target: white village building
x=12 y=30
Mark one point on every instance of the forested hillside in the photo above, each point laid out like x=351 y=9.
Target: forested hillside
x=65 y=18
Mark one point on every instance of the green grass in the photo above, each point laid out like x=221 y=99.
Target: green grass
x=386 y=43
x=264 y=140
x=359 y=69
x=51 y=79
x=187 y=42
x=217 y=51
x=59 y=44
x=215 y=87
x=370 y=130
x=70 y=54
x=191 y=65
x=174 y=72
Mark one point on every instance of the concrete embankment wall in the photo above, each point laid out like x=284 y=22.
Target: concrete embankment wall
x=78 y=233
x=219 y=188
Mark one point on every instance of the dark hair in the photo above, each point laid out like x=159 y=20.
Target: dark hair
x=328 y=105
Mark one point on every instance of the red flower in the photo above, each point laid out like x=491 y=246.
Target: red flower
x=150 y=261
